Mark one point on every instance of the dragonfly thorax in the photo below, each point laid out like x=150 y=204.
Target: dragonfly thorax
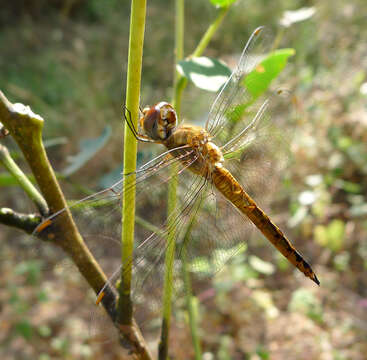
x=159 y=121
x=205 y=155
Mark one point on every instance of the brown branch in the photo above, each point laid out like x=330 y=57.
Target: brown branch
x=23 y=181
x=26 y=129
x=25 y=222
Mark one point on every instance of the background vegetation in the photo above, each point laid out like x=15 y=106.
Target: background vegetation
x=65 y=59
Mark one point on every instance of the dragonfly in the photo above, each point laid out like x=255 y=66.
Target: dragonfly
x=219 y=166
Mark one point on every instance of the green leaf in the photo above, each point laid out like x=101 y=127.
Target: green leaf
x=292 y=17
x=243 y=272
x=31 y=269
x=7 y=179
x=24 y=328
x=225 y=346
x=206 y=73
x=265 y=300
x=60 y=344
x=358 y=210
x=201 y=265
x=62 y=140
x=348 y=186
x=223 y=255
x=341 y=261
x=262 y=352
x=42 y=296
x=44 y=356
x=331 y=236
x=298 y=216
x=261 y=266
x=236 y=155
x=336 y=234
x=305 y=302
x=259 y=79
x=44 y=330
x=282 y=263
x=89 y=147
x=236 y=113
x=222 y=3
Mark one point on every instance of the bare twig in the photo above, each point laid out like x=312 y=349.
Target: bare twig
x=26 y=129
x=25 y=222
x=23 y=181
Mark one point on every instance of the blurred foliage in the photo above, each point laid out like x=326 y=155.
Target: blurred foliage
x=65 y=58
x=305 y=302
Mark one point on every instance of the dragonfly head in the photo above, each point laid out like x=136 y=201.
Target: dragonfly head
x=159 y=121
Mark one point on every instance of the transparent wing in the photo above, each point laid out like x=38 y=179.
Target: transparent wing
x=98 y=218
x=234 y=100
x=148 y=262
x=257 y=161
x=256 y=158
x=155 y=170
x=218 y=233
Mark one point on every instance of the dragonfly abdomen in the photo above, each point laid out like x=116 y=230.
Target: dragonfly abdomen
x=233 y=191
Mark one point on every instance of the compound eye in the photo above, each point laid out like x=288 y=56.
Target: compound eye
x=168 y=114
x=150 y=122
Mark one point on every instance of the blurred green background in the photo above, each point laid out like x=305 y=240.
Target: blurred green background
x=67 y=60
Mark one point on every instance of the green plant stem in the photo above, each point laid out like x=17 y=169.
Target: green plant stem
x=169 y=262
x=180 y=84
x=23 y=181
x=179 y=51
x=178 y=91
x=210 y=32
x=191 y=302
x=149 y=226
x=278 y=37
x=181 y=81
x=172 y=195
x=135 y=55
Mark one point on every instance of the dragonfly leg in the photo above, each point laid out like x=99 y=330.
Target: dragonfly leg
x=134 y=131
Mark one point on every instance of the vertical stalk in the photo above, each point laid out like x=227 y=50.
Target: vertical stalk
x=136 y=40
x=181 y=81
x=191 y=302
x=169 y=262
x=210 y=32
x=179 y=48
x=179 y=85
x=172 y=194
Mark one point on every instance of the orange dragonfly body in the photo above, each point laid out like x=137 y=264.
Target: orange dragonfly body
x=238 y=136
x=206 y=159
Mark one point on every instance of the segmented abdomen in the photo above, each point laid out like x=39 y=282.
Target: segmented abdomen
x=233 y=191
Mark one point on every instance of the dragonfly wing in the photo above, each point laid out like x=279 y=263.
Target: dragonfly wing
x=259 y=156
x=217 y=234
x=234 y=100
x=148 y=262
x=257 y=159
x=151 y=174
x=98 y=217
